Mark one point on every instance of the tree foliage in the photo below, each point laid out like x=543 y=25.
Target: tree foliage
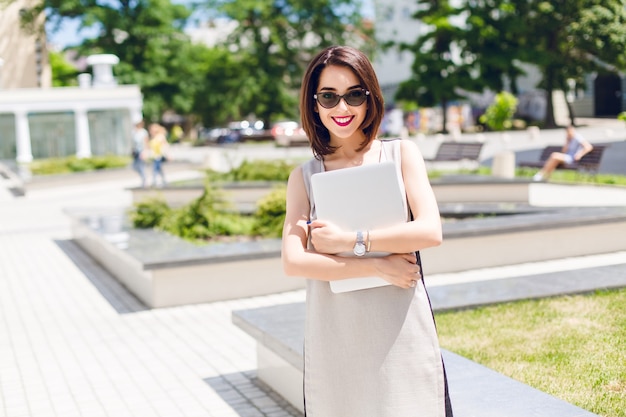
x=146 y=35
x=574 y=38
x=64 y=74
x=256 y=72
x=275 y=39
x=499 y=114
x=440 y=71
x=564 y=39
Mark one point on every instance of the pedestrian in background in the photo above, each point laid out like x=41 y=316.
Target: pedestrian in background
x=139 y=150
x=575 y=147
x=158 y=152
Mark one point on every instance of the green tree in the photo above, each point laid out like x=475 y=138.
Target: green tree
x=220 y=96
x=563 y=39
x=495 y=38
x=573 y=38
x=147 y=36
x=64 y=74
x=275 y=39
x=440 y=72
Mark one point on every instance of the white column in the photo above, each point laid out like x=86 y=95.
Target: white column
x=22 y=137
x=83 y=142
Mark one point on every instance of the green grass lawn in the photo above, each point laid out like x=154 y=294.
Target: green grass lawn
x=572 y=347
x=576 y=177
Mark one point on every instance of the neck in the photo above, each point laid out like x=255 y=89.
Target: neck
x=347 y=155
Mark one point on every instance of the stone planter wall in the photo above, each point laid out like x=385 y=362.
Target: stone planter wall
x=163 y=270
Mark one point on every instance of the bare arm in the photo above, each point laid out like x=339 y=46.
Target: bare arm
x=300 y=261
x=423 y=232
x=425 y=229
x=586 y=148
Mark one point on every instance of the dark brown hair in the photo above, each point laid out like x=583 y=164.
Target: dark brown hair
x=355 y=60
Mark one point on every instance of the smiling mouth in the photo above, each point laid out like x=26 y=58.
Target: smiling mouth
x=343 y=121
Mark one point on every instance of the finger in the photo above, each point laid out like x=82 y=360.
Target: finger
x=317 y=223
x=409 y=257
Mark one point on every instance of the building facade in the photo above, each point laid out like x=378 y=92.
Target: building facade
x=38 y=121
x=23 y=53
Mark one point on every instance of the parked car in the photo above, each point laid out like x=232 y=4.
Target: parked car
x=211 y=136
x=289 y=133
x=246 y=130
x=235 y=132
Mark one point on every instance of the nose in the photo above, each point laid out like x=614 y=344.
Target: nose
x=343 y=105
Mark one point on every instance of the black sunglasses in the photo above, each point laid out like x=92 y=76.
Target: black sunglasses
x=328 y=99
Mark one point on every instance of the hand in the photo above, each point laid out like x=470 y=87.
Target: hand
x=328 y=238
x=400 y=270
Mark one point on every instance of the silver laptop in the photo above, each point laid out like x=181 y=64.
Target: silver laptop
x=363 y=198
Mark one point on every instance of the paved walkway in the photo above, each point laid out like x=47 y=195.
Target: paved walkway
x=67 y=348
x=74 y=343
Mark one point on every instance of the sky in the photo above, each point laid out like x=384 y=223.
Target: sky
x=68 y=35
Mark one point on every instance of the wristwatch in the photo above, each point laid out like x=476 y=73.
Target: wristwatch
x=359 y=246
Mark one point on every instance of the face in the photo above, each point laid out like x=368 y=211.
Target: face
x=343 y=121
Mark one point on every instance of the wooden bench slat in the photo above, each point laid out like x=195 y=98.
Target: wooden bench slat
x=457 y=151
x=589 y=162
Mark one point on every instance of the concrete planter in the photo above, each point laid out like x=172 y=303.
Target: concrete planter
x=163 y=270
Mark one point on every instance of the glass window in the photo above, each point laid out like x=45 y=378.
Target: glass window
x=110 y=132
x=52 y=134
x=8 y=140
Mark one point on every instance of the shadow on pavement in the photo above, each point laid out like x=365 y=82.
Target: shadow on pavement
x=115 y=293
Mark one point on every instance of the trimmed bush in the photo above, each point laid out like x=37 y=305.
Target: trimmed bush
x=259 y=170
x=270 y=214
x=51 y=166
x=149 y=213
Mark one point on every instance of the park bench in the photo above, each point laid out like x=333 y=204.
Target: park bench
x=457 y=151
x=590 y=162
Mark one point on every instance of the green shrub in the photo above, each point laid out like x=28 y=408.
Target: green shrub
x=258 y=170
x=270 y=213
x=67 y=165
x=622 y=116
x=499 y=114
x=149 y=213
x=209 y=216
x=79 y=164
x=206 y=218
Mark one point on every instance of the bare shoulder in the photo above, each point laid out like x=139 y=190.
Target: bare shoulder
x=410 y=151
x=296 y=174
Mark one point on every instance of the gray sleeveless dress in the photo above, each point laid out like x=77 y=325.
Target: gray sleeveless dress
x=374 y=352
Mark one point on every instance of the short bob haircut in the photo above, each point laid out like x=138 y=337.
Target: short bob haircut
x=352 y=58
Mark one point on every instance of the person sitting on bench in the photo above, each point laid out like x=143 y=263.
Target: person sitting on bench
x=575 y=148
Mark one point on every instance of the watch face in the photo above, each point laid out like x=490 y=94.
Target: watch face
x=359 y=249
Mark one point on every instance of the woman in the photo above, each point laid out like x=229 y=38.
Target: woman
x=158 y=150
x=575 y=148
x=373 y=352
